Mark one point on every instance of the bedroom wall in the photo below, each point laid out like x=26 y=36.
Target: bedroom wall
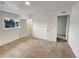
x=7 y=35
x=26 y=27
x=73 y=39
x=29 y=26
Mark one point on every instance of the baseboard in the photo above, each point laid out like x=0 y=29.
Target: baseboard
x=72 y=49
x=28 y=36
x=42 y=39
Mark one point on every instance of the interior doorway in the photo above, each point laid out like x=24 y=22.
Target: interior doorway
x=63 y=28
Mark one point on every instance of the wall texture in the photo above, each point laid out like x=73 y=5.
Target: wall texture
x=26 y=27
x=7 y=36
x=29 y=26
x=74 y=30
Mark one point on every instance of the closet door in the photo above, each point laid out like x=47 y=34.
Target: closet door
x=52 y=28
x=39 y=27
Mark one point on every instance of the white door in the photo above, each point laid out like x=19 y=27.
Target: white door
x=52 y=28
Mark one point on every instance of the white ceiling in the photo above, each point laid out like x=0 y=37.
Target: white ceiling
x=36 y=7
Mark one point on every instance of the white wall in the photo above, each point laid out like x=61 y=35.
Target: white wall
x=67 y=26
x=26 y=27
x=23 y=29
x=74 y=30
x=29 y=26
x=7 y=36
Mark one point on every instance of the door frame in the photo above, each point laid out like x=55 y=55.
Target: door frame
x=67 y=25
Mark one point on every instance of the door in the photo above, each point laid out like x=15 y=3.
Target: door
x=52 y=28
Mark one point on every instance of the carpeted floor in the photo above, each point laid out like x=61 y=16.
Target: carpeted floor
x=29 y=47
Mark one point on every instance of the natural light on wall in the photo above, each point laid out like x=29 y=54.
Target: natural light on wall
x=29 y=25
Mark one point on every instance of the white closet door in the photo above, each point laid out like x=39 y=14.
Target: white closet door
x=52 y=28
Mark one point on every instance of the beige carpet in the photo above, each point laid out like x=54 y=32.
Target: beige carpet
x=35 y=48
